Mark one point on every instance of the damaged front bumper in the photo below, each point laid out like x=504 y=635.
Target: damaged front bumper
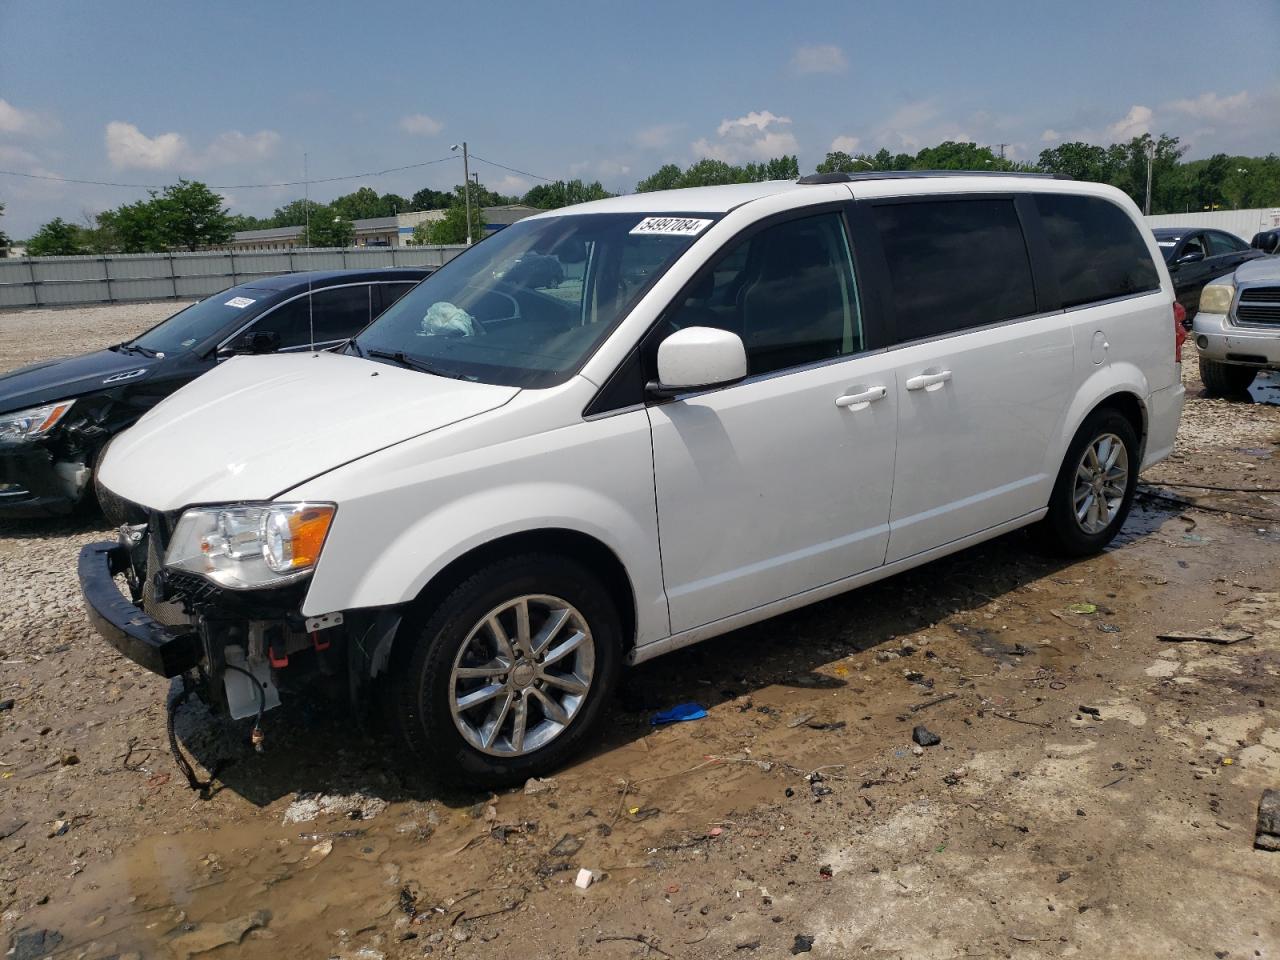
x=167 y=650
x=34 y=484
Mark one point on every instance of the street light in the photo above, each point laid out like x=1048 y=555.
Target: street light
x=466 y=184
x=1151 y=156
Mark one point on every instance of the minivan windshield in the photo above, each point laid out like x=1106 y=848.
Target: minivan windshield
x=528 y=305
x=202 y=320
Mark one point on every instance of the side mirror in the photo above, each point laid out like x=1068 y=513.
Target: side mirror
x=1195 y=256
x=256 y=342
x=696 y=358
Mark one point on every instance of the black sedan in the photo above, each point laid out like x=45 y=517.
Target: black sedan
x=57 y=416
x=1197 y=256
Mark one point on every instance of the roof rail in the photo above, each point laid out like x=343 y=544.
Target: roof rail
x=920 y=174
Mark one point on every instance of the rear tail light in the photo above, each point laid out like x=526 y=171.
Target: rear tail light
x=1179 y=330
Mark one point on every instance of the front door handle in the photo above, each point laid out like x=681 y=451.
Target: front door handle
x=929 y=381
x=858 y=401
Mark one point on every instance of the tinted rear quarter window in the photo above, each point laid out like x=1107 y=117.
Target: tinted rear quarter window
x=955 y=264
x=1097 y=250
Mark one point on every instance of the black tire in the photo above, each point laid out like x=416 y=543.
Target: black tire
x=1060 y=533
x=422 y=693
x=1225 y=379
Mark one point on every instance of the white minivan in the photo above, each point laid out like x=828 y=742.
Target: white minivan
x=615 y=429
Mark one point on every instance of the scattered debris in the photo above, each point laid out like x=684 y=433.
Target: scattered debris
x=30 y=944
x=6 y=704
x=645 y=941
x=1091 y=711
x=678 y=714
x=1082 y=608
x=535 y=787
x=353 y=806
x=917 y=707
x=567 y=846
x=1223 y=637
x=1268 y=832
x=210 y=936
x=585 y=878
x=925 y=737
x=803 y=944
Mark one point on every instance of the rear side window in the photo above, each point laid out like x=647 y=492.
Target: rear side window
x=1097 y=250
x=955 y=264
x=1222 y=243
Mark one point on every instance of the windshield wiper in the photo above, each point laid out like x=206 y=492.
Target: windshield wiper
x=136 y=348
x=401 y=358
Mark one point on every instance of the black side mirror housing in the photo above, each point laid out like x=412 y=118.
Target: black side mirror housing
x=255 y=342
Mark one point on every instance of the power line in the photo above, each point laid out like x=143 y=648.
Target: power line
x=503 y=166
x=241 y=186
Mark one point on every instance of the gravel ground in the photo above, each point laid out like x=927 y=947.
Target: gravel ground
x=797 y=813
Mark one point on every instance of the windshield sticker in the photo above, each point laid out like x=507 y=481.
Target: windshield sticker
x=671 y=226
x=1167 y=243
x=239 y=302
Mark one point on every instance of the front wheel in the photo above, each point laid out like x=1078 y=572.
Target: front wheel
x=1094 y=489
x=510 y=675
x=1225 y=379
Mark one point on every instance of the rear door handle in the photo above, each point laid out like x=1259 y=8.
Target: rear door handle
x=929 y=381
x=857 y=401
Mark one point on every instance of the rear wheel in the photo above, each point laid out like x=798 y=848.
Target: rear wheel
x=1094 y=489
x=1225 y=379
x=509 y=676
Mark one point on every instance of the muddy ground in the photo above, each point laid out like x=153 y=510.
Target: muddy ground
x=798 y=815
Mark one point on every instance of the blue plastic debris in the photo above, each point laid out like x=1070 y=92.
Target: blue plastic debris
x=678 y=714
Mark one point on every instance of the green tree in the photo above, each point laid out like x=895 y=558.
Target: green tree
x=192 y=216
x=708 y=172
x=666 y=177
x=551 y=196
x=57 y=238
x=452 y=228
x=328 y=228
x=392 y=204
x=428 y=199
x=133 y=228
x=363 y=204
x=953 y=155
x=4 y=239
x=1078 y=160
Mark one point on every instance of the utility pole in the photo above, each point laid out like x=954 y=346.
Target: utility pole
x=1151 y=156
x=306 y=201
x=1002 y=146
x=466 y=186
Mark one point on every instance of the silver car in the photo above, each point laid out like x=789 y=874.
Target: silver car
x=1237 y=330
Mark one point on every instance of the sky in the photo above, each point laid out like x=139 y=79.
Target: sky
x=235 y=93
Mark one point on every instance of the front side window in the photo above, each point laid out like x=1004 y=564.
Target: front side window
x=1097 y=251
x=954 y=264
x=788 y=291
x=528 y=305
x=1221 y=244
x=1194 y=244
x=322 y=316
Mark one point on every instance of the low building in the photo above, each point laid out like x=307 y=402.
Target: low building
x=394 y=231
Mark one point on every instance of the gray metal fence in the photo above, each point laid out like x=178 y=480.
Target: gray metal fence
x=118 y=277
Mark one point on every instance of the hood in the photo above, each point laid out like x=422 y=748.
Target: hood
x=257 y=426
x=1260 y=268
x=53 y=380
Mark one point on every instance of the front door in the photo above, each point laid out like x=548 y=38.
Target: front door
x=781 y=483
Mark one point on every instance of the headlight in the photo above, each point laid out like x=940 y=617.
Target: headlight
x=1217 y=297
x=250 y=546
x=32 y=422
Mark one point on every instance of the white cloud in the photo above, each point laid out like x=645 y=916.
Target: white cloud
x=127 y=146
x=130 y=148
x=16 y=121
x=236 y=147
x=420 y=125
x=657 y=136
x=909 y=126
x=752 y=137
x=1133 y=124
x=1050 y=135
x=819 y=58
x=1211 y=107
x=511 y=185
x=845 y=144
